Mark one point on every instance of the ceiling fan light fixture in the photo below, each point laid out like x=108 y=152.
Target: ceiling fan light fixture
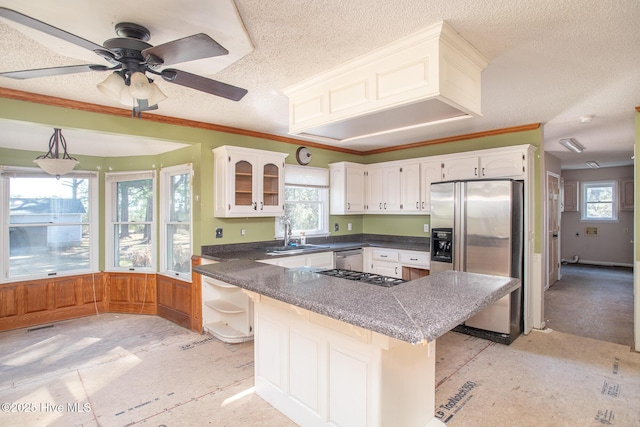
x=572 y=144
x=112 y=86
x=157 y=95
x=54 y=162
x=139 y=86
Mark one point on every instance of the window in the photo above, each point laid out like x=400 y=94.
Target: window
x=305 y=201
x=175 y=231
x=130 y=236
x=52 y=225
x=599 y=201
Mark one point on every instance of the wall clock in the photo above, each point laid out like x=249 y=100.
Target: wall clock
x=303 y=156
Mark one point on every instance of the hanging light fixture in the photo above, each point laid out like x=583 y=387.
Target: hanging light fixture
x=54 y=162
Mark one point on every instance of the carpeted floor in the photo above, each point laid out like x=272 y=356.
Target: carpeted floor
x=593 y=302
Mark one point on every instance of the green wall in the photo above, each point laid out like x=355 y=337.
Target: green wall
x=199 y=153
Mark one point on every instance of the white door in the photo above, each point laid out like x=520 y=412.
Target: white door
x=553 y=227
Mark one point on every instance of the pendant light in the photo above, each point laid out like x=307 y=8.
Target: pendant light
x=54 y=162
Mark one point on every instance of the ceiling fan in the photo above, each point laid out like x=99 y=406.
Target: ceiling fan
x=131 y=58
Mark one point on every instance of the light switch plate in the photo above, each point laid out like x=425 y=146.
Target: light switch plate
x=426 y=228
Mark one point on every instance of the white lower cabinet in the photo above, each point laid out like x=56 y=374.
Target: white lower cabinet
x=398 y=263
x=319 y=371
x=382 y=261
x=319 y=260
x=227 y=312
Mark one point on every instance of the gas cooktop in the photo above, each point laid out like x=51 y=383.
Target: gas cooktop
x=374 y=279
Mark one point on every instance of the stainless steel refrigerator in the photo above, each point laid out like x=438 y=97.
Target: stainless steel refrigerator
x=477 y=226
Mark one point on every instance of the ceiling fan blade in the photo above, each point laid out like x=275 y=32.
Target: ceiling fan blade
x=55 y=71
x=190 y=48
x=203 y=84
x=19 y=18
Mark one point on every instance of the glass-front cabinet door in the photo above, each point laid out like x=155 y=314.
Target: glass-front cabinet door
x=248 y=182
x=271 y=177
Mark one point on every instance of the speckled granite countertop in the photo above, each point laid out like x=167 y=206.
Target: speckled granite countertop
x=257 y=250
x=415 y=311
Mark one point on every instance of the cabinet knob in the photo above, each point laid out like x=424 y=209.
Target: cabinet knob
x=261 y=205
x=348 y=205
x=417 y=205
x=255 y=206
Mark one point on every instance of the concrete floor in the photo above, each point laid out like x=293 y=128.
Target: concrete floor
x=126 y=370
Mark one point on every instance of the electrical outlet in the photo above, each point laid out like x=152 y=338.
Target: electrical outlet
x=336 y=227
x=218 y=233
x=349 y=227
x=242 y=232
x=426 y=228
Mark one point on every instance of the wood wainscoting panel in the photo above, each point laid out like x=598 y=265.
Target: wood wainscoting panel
x=35 y=297
x=132 y=293
x=119 y=288
x=64 y=293
x=174 y=300
x=8 y=301
x=37 y=302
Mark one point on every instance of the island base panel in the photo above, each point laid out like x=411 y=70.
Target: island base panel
x=320 y=371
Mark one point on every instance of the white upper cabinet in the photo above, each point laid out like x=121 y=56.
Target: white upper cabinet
x=347 y=188
x=495 y=163
x=410 y=187
x=460 y=168
x=393 y=188
x=248 y=182
x=430 y=172
x=404 y=186
x=503 y=165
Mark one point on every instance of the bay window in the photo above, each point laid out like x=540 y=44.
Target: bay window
x=175 y=219
x=50 y=224
x=130 y=236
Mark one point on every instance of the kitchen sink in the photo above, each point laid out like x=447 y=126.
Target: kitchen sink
x=288 y=250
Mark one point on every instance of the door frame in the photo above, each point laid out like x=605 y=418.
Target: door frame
x=546 y=227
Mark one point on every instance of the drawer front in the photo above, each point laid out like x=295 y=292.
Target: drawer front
x=385 y=255
x=415 y=258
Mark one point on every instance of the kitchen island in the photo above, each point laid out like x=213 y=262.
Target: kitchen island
x=329 y=351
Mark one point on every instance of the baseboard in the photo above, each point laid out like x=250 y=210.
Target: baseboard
x=603 y=263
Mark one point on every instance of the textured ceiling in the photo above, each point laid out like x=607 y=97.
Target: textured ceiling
x=550 y=61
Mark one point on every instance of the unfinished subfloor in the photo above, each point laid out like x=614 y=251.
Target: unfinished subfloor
x=122 y=370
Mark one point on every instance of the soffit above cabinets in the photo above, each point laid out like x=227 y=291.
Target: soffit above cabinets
x=430 y=77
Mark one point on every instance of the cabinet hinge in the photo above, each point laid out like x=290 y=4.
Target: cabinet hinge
x=400 y=170
x=229 y=158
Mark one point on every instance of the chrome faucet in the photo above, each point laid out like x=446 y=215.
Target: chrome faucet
x=287 y=232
